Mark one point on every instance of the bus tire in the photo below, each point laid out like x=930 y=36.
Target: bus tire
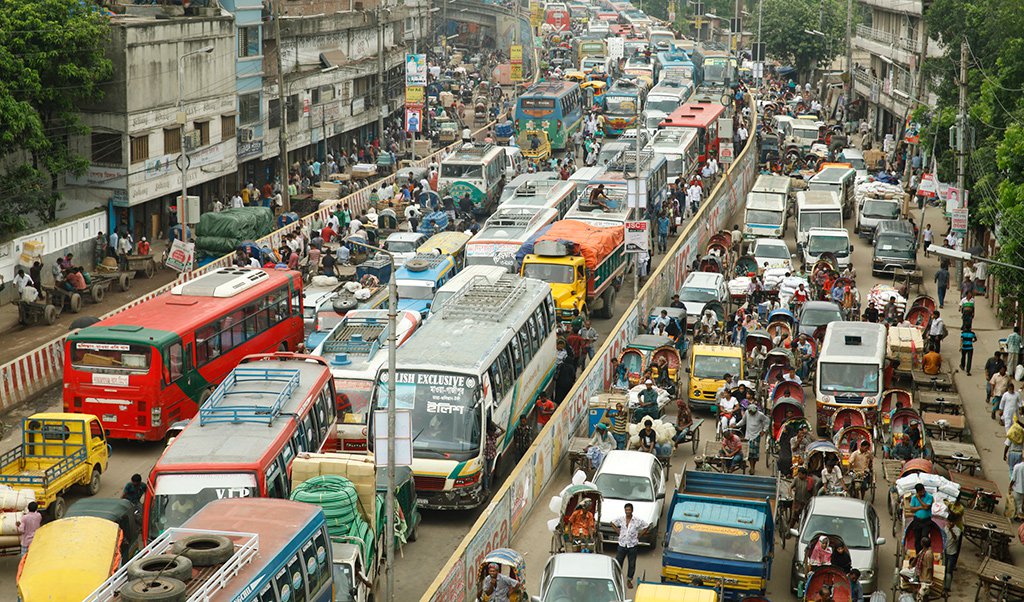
x=161 y=589
x=205 y=550
x=58 y=508
x=93 y=486
x=161 y=565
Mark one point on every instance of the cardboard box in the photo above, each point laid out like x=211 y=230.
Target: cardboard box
x=907 y=346
x=358 y=468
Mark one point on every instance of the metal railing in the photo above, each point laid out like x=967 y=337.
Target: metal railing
x=887 y=38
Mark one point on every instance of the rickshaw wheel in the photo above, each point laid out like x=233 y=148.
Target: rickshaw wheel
x=873 y=488
x=695 y=439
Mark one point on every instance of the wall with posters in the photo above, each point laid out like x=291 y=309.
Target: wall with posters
x=509 y=507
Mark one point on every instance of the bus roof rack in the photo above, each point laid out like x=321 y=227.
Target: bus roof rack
x=484 y=299
x=361 y=335
x=245 y=380
x=626 y=161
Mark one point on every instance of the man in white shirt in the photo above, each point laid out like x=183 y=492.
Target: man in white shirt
x=951 y=240
x=354 y=226
x=935 y=329
x=22 y=280
x=1008 y=405
x=713 y=163
x=236 y=201
x=742 y=134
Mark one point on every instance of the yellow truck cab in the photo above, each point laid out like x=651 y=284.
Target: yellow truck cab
x=708 y=364
x=662 y=592
x=57 y=451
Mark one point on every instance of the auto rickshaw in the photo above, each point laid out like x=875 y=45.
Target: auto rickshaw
x=562 y=539
x=593 y=92
x=535 y=145
x=746 y=265
x=511 y=564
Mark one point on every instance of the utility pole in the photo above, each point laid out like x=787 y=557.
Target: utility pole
x=849 y=54
x=381 y=16
x=961 y=142
x=922 y=48
x=282 y=137
x=759 y=49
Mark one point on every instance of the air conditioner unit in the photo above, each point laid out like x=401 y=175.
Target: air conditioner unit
x=246 y=134
x=193 y=140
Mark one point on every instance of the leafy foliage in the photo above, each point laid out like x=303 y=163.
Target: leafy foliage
x=51 y=62
x=786 y=26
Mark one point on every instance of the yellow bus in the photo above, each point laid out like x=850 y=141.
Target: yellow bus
x=448 y=243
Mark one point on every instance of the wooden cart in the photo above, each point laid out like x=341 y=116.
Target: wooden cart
x=976 y=492
x=999 y=581
x=989 y=531
x=945 y=427
x=954 y=455
x=144 y=264
x=943 y=381
x=939 y=401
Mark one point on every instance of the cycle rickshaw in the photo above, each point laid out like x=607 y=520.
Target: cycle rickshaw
x=825 y=576
x=848 y=440
x=510 y=563
x=818 y=453
x=902 y=424
x=562 y=539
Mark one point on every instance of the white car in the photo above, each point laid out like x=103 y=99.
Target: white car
x=403 y=245
x=774 y=252
x=583 y=577
x=698 y=289
x=632 y=477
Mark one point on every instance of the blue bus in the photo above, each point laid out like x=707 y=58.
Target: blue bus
x=555 y=107
x=280 y=552
x=420 y=277
x=623 y=103
x=677 y=66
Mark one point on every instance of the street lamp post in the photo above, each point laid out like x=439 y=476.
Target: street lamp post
x=965 y=256
x=182 y=119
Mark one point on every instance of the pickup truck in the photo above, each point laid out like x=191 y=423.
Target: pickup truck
x=583 y=264
x=57 y=451
x=720 y=529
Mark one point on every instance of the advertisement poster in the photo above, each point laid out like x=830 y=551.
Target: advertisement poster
x=415 y=69
x=180 y=257
x=413 y=120
x=637 y=240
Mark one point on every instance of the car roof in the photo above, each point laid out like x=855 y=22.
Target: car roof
x=770 y=242
x=581 y=565
x=832 y=505
x=702 y=278
x=820 y=305
x=619 y=461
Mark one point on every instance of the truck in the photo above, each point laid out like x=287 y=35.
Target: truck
x=584 y=265
x=720 y=529
x=57 y=451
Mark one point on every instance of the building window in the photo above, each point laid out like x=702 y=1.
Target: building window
x=293 y=108
x=248 y=108
x=249 y=41
x=408 y=24
x=314 y=96
x=140 y=148
x=106 y=149
x=172 y=140
x=326 y=93
x=203 y=127
x=274 y=113
x=227 y=127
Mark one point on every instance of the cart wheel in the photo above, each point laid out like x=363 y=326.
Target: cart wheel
x=695 y=440
x=150 y=269
x=873 y=489
x=75 y=303
x=124 y=281
x=97 y=291
x=50 y=314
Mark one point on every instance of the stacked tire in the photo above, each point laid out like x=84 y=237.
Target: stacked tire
x=164 y=577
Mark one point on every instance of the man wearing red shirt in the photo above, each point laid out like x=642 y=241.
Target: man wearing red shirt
x=327 y=233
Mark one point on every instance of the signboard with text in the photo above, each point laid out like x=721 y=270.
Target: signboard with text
x=516 y=60
x=179 y=258
x=415 y=69
x=637 y=240
x=958 y=221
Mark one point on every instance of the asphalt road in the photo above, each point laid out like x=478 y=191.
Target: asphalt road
x=534 y=541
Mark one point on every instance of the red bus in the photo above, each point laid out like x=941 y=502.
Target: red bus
x=144 y=368
x=556 y=14
x=269 y=409
x=702 y=117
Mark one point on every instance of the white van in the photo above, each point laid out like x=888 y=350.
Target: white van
x=514 y=162
x=828 y=240
x=767 y=204
x=698 y=289
x=816 y=209
x=855 y=158
x=840 y=180
x=468 y=275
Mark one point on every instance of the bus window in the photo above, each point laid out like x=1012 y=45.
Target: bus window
x=207 y=343
x=284 y=586
x=497 y=382
x=323 y=568
x=535 y=337
x=307 y=426
x=517 y=356
x=525 y=345
x=549 y=315
x=542 y=327
x=277 y=479
x=298 y=577
x=267 y=593
x=506 y=370
x=175 y=363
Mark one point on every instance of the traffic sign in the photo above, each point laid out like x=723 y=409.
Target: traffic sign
x=725 y=152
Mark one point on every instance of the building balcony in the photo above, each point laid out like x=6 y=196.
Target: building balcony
x=894 y=93
x=904 y=7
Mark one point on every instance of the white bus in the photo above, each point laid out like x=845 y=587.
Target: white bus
x=541 y=194
x=679 y=148
x=467 y=276
x=355 y=350
x=484 y=358
x=504 y=233
x=850 y=371
x=477 y=170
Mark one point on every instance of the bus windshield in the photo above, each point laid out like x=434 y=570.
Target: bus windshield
x=548 y=272
x=848 y=378
x=715 y=366
x=712 y=541
x=449 y=170
x=177 y=497
x=110 y=357
x=764 y=216
x=622 y=106
x=353 y=395
x=664 y=105
x=445 y=409
x=715 y=70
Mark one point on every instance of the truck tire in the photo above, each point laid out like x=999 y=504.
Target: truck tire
x=205 y=550
x=607 y=303
x=93 y=486
x=162 y=589
x=57 y=509
x=161 y=565
x=75 y=303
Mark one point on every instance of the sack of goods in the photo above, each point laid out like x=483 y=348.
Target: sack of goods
x=881 y=293
x=15 y=500
x=940 y=487
x=665 y=431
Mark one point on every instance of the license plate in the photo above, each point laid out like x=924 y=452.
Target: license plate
x=110 y=418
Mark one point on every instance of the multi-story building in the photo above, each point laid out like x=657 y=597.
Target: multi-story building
x=888 y=52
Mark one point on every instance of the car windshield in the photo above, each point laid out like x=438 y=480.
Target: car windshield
x=853 y=530
x=817 y=317
x=711 y=541
x=445 y=410
x=548 y=272
x=880 y=209
x=895 y=244
x=698 y=295
x=837 y=378
x=343 y=586
x=715 y=366
x=837 y=245
x=401 y=246
x=630 y=488
x=581 y=589
x=857 y=163
x=764 y=217
x=451 y=171
x=772 y=251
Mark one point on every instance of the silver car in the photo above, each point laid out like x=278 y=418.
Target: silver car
x=855 y=521
x=582 y=578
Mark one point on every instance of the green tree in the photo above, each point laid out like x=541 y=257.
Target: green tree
x=51 y=63
x=788 y=27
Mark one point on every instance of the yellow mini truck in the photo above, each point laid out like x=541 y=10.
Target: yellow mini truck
x=57 y=451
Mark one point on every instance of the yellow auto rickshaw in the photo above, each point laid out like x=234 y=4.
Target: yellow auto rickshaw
x=574 y=75
x=593 y=92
